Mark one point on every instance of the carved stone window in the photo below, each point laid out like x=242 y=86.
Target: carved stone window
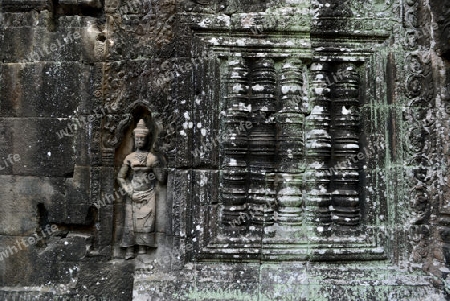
x=291 y=161
x=294 y=153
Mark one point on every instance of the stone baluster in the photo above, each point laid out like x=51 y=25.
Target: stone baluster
x=318 y=147
x=262 y=144
x=290 y=122
x=346 y=119
x=233 y=166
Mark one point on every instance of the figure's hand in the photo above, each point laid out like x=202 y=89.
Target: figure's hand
x=128 y=189
x=138 y=199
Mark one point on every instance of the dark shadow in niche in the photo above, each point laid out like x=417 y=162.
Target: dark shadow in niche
x=42 y=216
x=69 y=174
x=441 y=15
x=88 y=231
x=78 y=8
x=93 y=223
x=62 y=8
x=42 y=221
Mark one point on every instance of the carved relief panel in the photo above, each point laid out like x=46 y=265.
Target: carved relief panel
x=288 y=154
x=292 y=137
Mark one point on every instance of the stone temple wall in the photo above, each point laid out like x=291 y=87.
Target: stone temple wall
x=305 y=145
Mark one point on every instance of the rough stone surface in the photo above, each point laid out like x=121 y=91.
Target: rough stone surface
x=306 y=145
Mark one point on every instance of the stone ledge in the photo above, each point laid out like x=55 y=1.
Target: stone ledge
x=285 y=281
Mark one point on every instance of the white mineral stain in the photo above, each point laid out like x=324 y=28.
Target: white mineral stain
x=205 y=23
x=214 y=41
x=240 y=42
x=258 y=88
x=317 y=110
x=237 y=88
x=345 y=111
x=225 y=19
x=351 y=146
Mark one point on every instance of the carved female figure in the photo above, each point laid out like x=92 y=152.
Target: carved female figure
x=137 y=177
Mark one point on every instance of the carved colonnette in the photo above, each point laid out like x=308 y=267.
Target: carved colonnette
x=318 y=144
x=346 y=138
x=290 y=122
x=235 y=146
x=261 y=152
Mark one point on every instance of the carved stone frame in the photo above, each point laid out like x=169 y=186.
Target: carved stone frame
x=366 y=241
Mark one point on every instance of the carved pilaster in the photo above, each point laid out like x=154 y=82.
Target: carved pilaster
x=346 y=120
x=290 y=130
x=262 y=144
x=234 y=166
x=318 y=146
x=108 y=157
x=419 y=92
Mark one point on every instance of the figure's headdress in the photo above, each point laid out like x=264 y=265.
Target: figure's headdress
x=141 y=129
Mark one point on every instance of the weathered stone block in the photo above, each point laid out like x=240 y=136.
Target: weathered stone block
x=33 y=140
x=28 y=90
x=21 y=196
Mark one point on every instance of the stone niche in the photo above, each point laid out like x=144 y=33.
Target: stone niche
x=305 y=145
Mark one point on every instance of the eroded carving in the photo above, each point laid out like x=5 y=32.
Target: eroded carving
x=262 y=143
x=234 y=165
x=138 y=175
x=419 y=91
x=290 y=139
x=318 y=146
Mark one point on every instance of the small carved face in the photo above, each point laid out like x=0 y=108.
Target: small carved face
x=139 y=141
x=411 y=39
x=415 y=65
x=415 y=86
